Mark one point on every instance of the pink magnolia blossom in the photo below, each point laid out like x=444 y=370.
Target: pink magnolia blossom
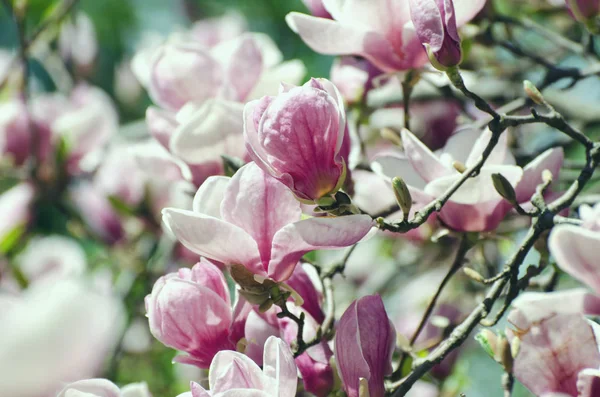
x=353 y=77
x=63 y=318
x=380 y=31
x=234 y=222
x=555 y=355
x=364 y=342
x=574 y=247
x=476 y=206
x=77 y=42
x=234 y=374
x=103 y=388
x=15 y=131
x=297 y=137
x=97 y=212
x=435 y=24
x=191 y=311
x=15 y=208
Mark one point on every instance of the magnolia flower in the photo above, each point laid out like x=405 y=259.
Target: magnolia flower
x=191 y=311
x=435 y=24
x=297 y=137
x=14 y=208
x=97 y=212
x=62 y=319
x=574 y=247
x=476 y=206
x=557 y=354
x=103 y=388
x=213 y=31
x=353 y=77
x=233 y=221
x=364 y=342
x=15 y=131
x=52 y=258
x=77 y=41
x=317 y=8
x=234 y=374
x=380 y=31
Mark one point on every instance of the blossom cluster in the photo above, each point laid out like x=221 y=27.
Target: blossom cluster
x=279 y=235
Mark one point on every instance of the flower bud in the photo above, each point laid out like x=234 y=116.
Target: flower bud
x=533 y=93
x=402 y=194
x=364 y=343
x=297 y=137
x=435 y=25
x=504 y=188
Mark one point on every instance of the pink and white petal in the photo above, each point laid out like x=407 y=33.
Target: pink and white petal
x=258 y=328
x=466 y=10
x=215 y=128
x=460 y=143
x=198 y=391
x=290 y=72
x=423 y=160
x=500 y=154
x=91 y=387
x=279 y=365
x=390 y=164
x=551 y=160
x=330 y=37
x=161 y=124
x=374 y=14
x=533 y=307
x=210 y=195
x=575 y=250
x=553 y=352
x=253 y=146
x=251 y=198
x=294 y=240
x=233 y=370
x=588 y=383
x=428 y=22
x=244 y=63
x=212 y=238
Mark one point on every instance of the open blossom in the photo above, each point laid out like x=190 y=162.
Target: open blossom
x=557 y=354
x=103 y=388
x=435 y=24
x=297 y=137
x=380 y=31
x=234 y=374
x=234 y=221
x=476 y=206
x=64 y=318
x=191 y=311
x=575 y=247
x=364 y=343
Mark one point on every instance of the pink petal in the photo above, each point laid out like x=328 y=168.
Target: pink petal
x=500 y=154
x=533 y=307
x=207 y=274
x=467 y=10
x=294 y=240
x=588 y=383
x=212 y=237
x=335 y=38
x=423 y=160
x=575 y=250
x=233 y=370
x=251 y=197
x=92 y=387
x=210 y=195
x=161 y=124
x=198 y=391
x=213 y=129
x=244 y=65
x=259 y=327
x=428 y=23
x=551 y=160
x=553 y=352
x=279 y=365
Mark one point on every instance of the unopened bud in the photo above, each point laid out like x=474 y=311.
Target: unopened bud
x=487 y=339
x=458 y=166
x=391 y=135
x=472 y=274
x=503 y=354
x=402 y=194
x=533 y=93
x=504 y=188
